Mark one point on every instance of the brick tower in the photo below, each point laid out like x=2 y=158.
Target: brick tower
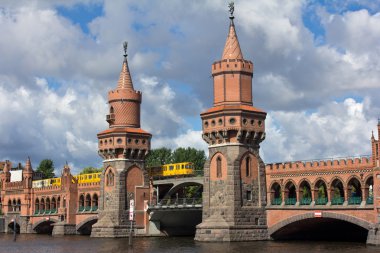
x=234 y=196
x=373 y=233
x=123 y=147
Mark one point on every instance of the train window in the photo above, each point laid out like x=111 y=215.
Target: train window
x=171 y=167
x=183 y=166
x=90 y=177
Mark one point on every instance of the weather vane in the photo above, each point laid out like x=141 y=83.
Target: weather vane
x=232 y=9
x=125 y=45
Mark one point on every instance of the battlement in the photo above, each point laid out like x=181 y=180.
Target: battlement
x=47 y=188
x=232 y=65
x=348 y=162
x=124 y=94
x=86 y=185
x=14 y=185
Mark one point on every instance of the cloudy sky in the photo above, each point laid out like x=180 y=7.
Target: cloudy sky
x=317 y=73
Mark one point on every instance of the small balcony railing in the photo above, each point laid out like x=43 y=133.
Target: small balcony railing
x=321 y=201
x=290 y=201
x=305 y=201
x=110 y=117
x=276 y=201
x=355 y=200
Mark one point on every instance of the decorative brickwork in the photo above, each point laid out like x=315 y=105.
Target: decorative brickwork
x=123 y=147
x=234 y=190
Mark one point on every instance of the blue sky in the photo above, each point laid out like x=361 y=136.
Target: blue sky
x=317 y=73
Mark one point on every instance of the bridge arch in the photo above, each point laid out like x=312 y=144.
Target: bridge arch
x=176 y=187
x=85 y=227
x=43 y=226
x=11 y=227
x=273 y=230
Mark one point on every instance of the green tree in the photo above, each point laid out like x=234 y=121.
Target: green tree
x=197 y=157
x=47 y=167
x=158 y=157
x=88 y=170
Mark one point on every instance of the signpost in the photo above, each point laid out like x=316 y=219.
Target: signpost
x=131 y=216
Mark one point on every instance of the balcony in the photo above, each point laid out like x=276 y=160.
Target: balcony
x=110 y=118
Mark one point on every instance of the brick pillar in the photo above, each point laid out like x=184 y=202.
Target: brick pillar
x=329 y=195
x=313 y=196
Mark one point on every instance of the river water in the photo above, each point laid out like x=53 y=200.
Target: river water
x=32 y=243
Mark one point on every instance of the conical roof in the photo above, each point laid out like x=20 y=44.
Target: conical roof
x=28 y=165
x=125 y=80
x=232 y=47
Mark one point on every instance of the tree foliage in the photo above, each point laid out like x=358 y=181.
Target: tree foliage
x=88 y=170
x=46 y=166
x=160 y=156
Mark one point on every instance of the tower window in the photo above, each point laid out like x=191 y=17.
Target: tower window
x=249 y=195
x=248 y=166
x=232 y=121
x=218 y=167
x=111 y=109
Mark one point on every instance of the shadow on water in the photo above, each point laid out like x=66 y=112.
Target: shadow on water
x=74 y=244
x=324 y=229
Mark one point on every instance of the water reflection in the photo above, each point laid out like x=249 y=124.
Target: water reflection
x=81 y=244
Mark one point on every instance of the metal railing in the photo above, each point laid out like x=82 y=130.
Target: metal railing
x=337 y=201
x=276 y=201
x=290 y=201
x=178 y=202
x=305 y=201
x=354 y=200
x=321 y=201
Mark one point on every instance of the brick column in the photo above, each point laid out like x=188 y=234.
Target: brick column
x=329 y=196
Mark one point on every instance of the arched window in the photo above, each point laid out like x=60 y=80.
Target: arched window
x=47 y=204
x=110 y=178
x=9 y=206
x=81 y=201
x=218 y=167
x=14 y=205
x=88 y=201
x=37 y=206
x=58 y=202
x=95 y=202
x=248 y=166
x=111 y=109
x=53 y=205
x=42 y=205
x=18 y=208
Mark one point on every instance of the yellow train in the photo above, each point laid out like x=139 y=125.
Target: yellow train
x=46 y=182
x=84 y=178
x=88 y=178
x=172 y=169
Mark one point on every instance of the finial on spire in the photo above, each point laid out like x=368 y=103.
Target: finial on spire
x=125 y=46
x=232 y=9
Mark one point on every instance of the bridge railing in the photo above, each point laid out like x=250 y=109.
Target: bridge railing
x=195 y=173
x=180 y=202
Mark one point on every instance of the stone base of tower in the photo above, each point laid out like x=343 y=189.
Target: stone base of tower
x=216 y=229
x=106 y=228
x=62 y=228
x=373 y=237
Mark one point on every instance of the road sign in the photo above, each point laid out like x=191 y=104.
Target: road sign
x=131 y=209
x=318 y=214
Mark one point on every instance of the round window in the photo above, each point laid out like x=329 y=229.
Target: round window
x=232 y=121
x=136 y=141
x=220 y=122
x=206 y=123
x=252 y=121
x=213 y=123
x=119 y=141
x=244 y=121
x=129 y=140
x=260 y=122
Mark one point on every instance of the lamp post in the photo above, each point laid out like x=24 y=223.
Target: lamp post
x=131 y=216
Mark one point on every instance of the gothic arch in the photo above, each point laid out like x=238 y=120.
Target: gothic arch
x=218 y=166
x=353 y=177
x=276 y=182
x=42 y=221
x=82 y=227
x=348 y=218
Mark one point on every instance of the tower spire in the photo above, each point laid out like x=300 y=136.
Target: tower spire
x=125 y=80
x=232 y=48
x=28 y=165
